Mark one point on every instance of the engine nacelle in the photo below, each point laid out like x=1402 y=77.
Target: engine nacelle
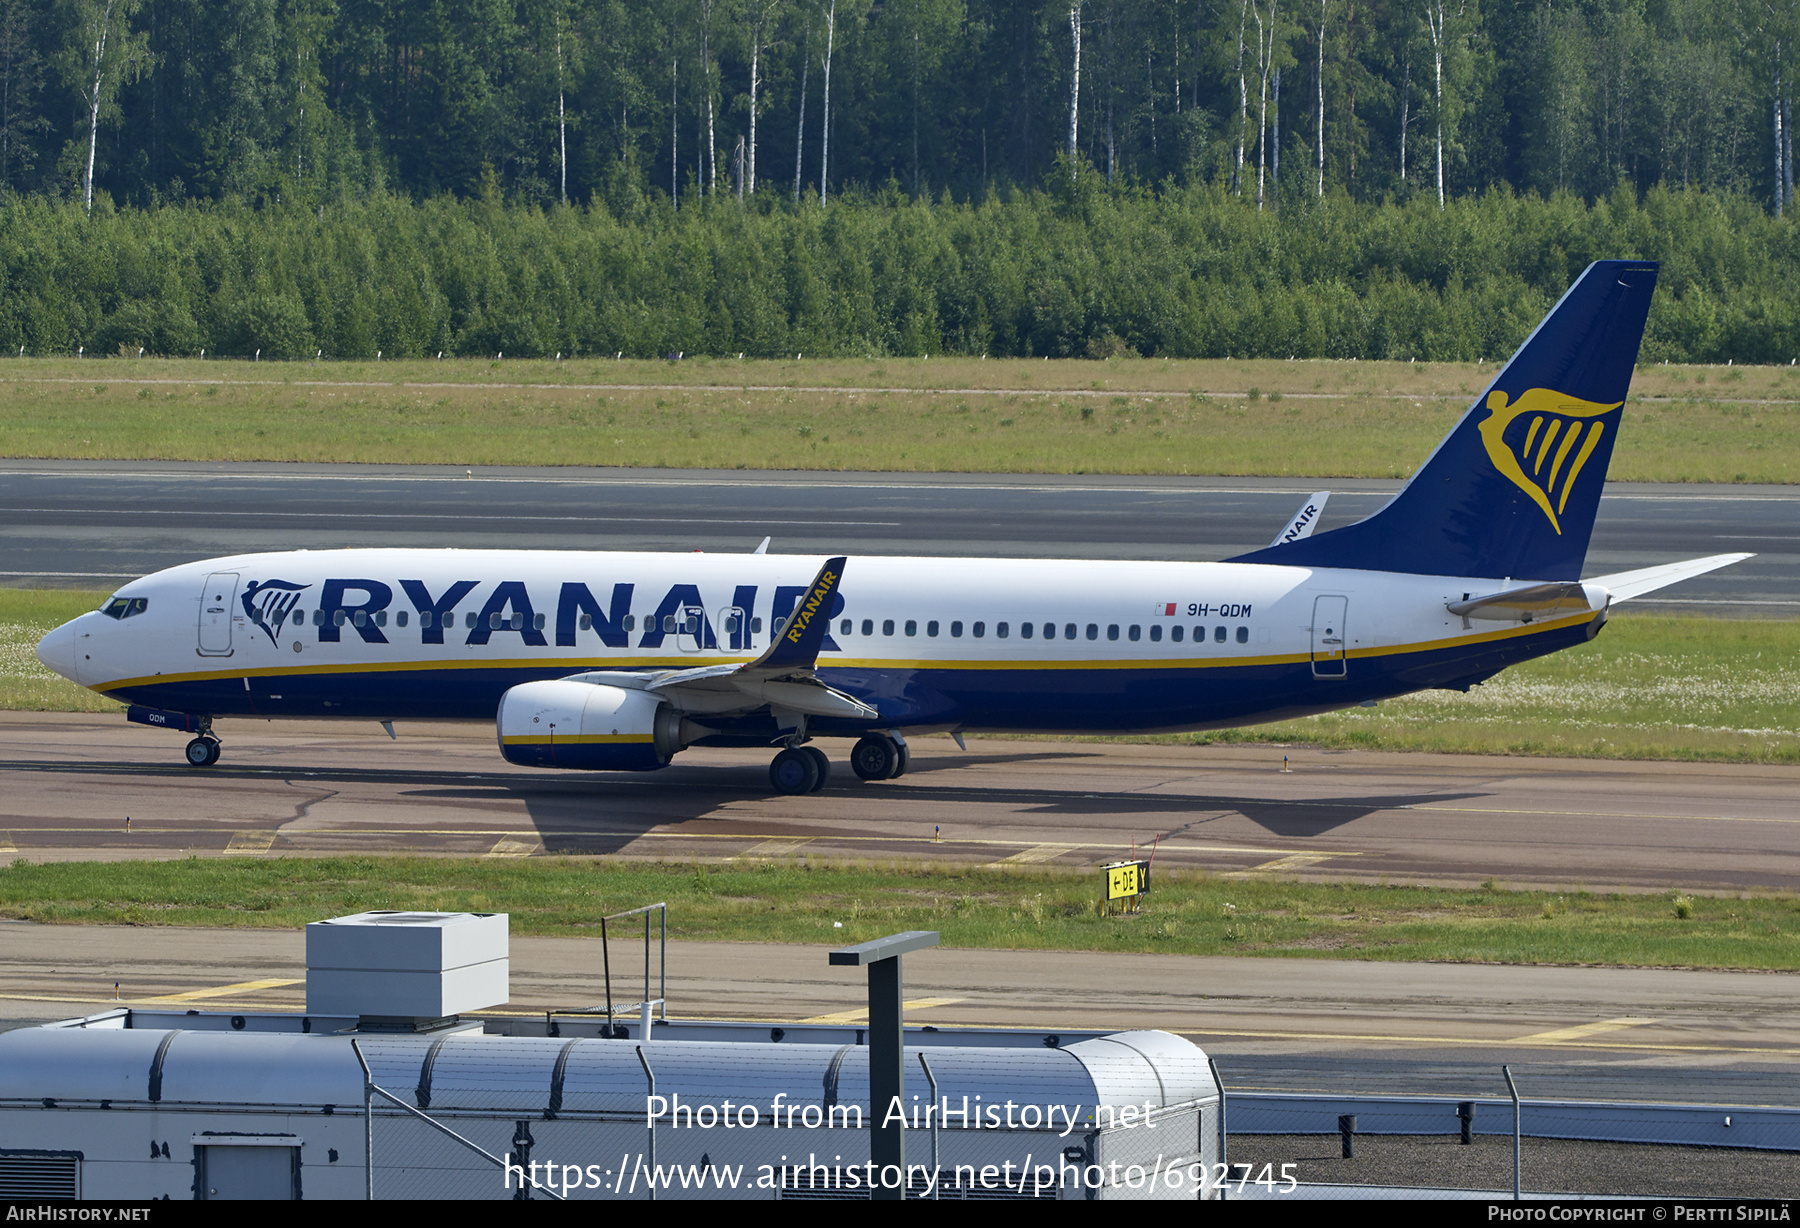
x=562 y=724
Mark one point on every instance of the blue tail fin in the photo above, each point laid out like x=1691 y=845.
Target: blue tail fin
x=1512 y=491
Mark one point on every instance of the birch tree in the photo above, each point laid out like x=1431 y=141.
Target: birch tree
x=100 y=54
x=825 y=127
x=1074 y=84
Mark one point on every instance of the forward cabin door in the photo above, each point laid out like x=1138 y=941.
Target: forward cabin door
x=1328 y=638
x=216 y=602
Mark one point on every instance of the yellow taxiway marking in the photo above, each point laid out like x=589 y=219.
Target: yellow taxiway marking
x=250 y=842
x=914 y=1004
x=1582 y=1031
x=1592 y=814
x=223 y=991
x=1036 y=853
x=775 y=846
x=515 y=846
x=1293 y=861
x=6 y=843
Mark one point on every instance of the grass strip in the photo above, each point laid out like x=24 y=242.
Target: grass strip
x=1650 y=687
x=1151 y=416
x=788 y=900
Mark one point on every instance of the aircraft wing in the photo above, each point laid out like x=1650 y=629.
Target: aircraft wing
x=782 y=677
x=1628 y=584
x=1305 y=520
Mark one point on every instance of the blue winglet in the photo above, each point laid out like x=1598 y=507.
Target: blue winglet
x=796 y=644
x=1513 y=490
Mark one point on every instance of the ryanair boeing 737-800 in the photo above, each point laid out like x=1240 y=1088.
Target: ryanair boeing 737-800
x=618 y=661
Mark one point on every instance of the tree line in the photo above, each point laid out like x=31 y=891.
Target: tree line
x=1077 y=268
x=601 y=100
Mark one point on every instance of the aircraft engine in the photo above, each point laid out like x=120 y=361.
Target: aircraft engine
x=562 y=724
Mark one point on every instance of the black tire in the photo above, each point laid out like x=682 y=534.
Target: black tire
x=874 y=757
x=820 y=762
x=793 y=772
x=214 y=756
x=900 y=763
x=202 y=752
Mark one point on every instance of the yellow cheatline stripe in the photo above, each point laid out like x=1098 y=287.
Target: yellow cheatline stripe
x=576 y=666
x=1582 y=1031
x=914 y=1004
x=564 y=739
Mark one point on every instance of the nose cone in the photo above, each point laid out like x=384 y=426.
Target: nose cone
x=57 y=651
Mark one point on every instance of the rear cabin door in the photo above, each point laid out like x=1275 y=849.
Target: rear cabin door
x=216 y=602
x=1328 y=637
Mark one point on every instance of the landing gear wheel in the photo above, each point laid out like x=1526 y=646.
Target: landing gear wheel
x=875 y=757
x=900 y=764
x=203 y=752
x=820 y=762
x=794 y=772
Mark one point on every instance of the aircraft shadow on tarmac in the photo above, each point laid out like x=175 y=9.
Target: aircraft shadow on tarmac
x=606 y=812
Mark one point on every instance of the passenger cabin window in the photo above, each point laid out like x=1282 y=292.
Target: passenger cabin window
x=868 y=626
x=424 y=618
x=1243 y=635
x=125 y=607
x=755 y=625
x=1000 y=630
x=1112 y=631
x=300 y=618
x=1135 y=633
x=537 y=622
x=931 y=628
x=361 y=618
x=586 y=622
x=1025 y=629
x=912 y=627
x=469 y=620
x=318 y=618
x=956 y=630
x=400 y=619
x=339 y=618
x=1155 y=633
x=843 y=627
x=1175 y=634
x=887 y=626
x=1068 y=630
x=1094 y=631
x=1218 y=635
x=978 y=630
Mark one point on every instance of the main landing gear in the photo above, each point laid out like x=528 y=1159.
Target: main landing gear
x=203 y=751
x=880 y=756
x=805 y=769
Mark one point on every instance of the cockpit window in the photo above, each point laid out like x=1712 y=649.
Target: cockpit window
x=125 y=607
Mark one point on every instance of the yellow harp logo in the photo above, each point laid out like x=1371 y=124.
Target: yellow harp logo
x=1555 y=426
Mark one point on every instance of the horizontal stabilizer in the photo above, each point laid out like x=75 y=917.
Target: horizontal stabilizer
x=1628 y=584
x=1305 y=520
x=1524 y=605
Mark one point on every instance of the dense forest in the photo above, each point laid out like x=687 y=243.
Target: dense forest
x=1319 y=178
x=582 y=100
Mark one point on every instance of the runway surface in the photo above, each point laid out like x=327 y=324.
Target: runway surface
x=296 y=788
x=1273 y=1024
x=99 y=523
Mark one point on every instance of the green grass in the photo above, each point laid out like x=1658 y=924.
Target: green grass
x=1650 y=687
x=1187 y=913
x=1307 y=419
